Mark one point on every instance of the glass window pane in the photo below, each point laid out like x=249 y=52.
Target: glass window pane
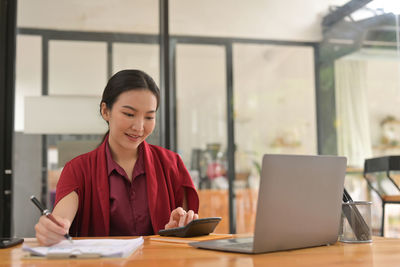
x=77 y=68
x=274 y=99
x=275 y=112
x=201 y=124
x=28 y=71
x=137 y=56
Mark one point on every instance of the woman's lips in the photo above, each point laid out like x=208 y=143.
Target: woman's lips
x=133 y=137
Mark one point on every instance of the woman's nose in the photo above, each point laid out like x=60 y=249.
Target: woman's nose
x=137 y=124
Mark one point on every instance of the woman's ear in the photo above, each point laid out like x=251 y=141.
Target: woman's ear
x=105 y=112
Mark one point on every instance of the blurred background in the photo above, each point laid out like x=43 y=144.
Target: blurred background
x=240 y=79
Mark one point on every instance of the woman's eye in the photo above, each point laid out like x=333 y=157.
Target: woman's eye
x=149 y=118
x=128 y=114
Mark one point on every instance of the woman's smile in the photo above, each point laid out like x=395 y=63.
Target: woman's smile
x=133 y=137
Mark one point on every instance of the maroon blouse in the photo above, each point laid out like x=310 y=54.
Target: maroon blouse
x=129 y=211
x=167 y=179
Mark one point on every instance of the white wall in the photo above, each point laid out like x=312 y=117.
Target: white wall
x=297 y=20
x=139 y=16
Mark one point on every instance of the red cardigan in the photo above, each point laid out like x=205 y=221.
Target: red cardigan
x=86 y=174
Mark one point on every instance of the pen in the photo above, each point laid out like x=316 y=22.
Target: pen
x=357 y=223
x=48 y=214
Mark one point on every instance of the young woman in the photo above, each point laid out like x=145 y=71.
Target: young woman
x=125 y=187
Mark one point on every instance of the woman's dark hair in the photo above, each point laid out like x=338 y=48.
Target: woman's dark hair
x=127 y=80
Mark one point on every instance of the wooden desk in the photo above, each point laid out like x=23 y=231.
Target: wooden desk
x=382 y=252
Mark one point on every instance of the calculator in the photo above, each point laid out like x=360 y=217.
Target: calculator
x=198 y=227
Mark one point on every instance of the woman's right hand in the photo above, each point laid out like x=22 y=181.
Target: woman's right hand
x=179 y=217
x=48 y=233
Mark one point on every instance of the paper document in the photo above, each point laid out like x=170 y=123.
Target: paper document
x=88 y=248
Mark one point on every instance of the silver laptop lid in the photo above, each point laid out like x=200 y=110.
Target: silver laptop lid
x=299 y=203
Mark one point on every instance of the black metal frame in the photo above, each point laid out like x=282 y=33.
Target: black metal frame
x=318 y=97
x=343 y=11
x=231 y=139
x=167 y=132
x=45 y=91
x=8 y=14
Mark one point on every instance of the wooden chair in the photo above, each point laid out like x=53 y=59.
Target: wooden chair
x=381 y=177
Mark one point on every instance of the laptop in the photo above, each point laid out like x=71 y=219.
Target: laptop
x=299 y=205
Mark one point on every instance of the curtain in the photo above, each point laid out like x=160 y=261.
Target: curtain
x=353 y=129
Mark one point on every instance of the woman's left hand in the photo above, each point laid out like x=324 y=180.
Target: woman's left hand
x=179 y=217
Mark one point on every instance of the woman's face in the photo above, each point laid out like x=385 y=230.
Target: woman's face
x=132 y=118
